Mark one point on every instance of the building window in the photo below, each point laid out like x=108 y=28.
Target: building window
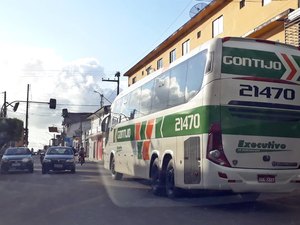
x=266 y=2
x=133 y=80
x=217 y=26
x=149 y=70
x=172 y=55
x=242 y=3
x=199 y=34
x=159 y=63
x=185 y=47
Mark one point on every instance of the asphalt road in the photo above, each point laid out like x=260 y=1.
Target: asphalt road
x=91 y=197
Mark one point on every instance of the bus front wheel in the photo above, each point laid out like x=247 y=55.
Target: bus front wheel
x=115 y=175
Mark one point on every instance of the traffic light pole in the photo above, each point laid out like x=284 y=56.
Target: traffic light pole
x=51 y=103
x=26 y=120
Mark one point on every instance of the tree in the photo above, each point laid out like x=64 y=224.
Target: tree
x=10 y=130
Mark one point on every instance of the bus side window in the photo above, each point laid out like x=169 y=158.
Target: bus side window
x=177 y=85
x=195 y=74
x=160 y=97
x=134 y=103
x=146 y=97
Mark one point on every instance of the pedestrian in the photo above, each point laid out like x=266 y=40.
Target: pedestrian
x=81 y=155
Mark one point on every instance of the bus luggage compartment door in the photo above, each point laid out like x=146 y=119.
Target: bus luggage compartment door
x=191 y=160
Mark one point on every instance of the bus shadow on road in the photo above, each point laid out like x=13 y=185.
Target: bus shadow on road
x=138 y=193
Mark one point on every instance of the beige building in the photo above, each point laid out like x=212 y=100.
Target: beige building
x=267 y=19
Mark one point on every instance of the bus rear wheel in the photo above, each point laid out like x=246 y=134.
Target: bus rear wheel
x=171 y=190
x=156 y=182
x=115 y=175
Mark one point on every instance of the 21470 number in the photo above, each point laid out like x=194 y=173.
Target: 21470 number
x=268 y=92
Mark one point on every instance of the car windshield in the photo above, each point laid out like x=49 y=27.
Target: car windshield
x=60 y=151
x=17 y=151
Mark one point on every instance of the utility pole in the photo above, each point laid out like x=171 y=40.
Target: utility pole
x=101 y=100
x=26 y=121
x=117 y=75
x=4 y=105
x=3 y=110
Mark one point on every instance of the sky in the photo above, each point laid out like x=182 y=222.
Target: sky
x=63 y=49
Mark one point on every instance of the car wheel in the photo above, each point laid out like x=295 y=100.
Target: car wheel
x=44 y=170
x=30 y=169
x=4 y=170
x=73 y=170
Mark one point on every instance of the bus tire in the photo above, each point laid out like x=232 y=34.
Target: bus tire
x=157 y=187
x=115 y=175
x=171 y=190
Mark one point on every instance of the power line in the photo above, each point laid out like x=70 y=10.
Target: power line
x=163 y=33
x=65 y=104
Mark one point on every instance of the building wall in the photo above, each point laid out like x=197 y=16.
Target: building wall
x=95 y=137
x=237 y=22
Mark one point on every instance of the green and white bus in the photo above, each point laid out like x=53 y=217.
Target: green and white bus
x=226 y=116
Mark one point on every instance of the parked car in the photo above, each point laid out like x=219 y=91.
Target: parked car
x=58 y=158
x=18 y=158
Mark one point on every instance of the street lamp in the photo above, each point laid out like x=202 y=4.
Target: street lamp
x=101 y=98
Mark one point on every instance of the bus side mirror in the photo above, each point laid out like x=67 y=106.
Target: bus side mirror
x=103 y=127
x=132 y=114
x=106 y=110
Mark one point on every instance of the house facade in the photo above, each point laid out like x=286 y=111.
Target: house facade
x=265 y=19
x=94 y=135
x=74 y=127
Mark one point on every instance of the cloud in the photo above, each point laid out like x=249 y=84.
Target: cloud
x=72 y=84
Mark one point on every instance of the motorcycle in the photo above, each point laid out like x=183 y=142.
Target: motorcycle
x=81 y=159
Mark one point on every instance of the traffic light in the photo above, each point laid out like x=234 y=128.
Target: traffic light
x=16 y=106
x=65 y=113
x=52 y=103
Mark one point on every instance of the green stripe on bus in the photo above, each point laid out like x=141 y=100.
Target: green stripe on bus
x=242 y=123
x=297 y=59
x=158 y=125
x=143 y=130
x=252 y=63
x=126 y=133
